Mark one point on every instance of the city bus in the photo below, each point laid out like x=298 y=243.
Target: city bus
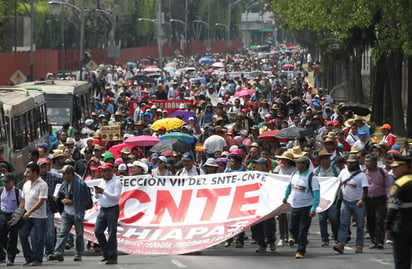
x=25 y=125
x=67 y=101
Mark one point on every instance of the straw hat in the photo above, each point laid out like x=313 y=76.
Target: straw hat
x=285 y=156
x=297 y=152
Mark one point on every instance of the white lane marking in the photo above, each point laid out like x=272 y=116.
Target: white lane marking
x=381 y=261
x=178 y=264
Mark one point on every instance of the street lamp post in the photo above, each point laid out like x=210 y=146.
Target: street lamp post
x=185 y=31
x=202 y=22
x=229 y=17
x=159 y=38
x=227 y=29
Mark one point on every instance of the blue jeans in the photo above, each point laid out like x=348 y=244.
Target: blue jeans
x=347 y=210
x=330 y=215
x=33 y=252
x=67 y=221
x=107 y=218
x=299 y=224
x=50 y=235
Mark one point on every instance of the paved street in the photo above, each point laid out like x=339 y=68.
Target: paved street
x=221 y=257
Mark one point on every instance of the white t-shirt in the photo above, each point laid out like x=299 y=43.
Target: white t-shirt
x=353 y=189
x=32 y=193
x=301 y=195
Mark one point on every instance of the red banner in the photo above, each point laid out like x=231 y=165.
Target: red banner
x=176 y=215
x=169 y=105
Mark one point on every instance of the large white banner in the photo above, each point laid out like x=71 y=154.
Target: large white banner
x=176 y=215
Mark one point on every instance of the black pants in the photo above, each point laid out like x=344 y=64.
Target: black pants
x=266 y=230
x=375 y=219
x=8 y=239
x=402 y=246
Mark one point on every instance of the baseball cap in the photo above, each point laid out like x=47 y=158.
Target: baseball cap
x=187 y=156
x=105 y=166
x=155 y=155
x=163 y=159
x=386 y=126
x=261 y=161
x=42 y=161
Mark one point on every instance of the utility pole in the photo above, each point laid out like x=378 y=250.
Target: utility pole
x=159 y=32
x=81 y=38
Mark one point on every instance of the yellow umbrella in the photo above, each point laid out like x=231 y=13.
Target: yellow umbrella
x=168 y=123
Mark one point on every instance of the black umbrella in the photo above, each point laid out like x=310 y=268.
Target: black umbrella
x=358 y=109
x=294 y=132
x=172 y=144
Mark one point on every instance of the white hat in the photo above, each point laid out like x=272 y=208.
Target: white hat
x=211 y=162
x=89 y=122
x=191 y=118
x=144 y=166
x=122 y=167
x=244 y=132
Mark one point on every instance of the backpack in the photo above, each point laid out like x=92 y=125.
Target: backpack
x=89 y=203
x=17 y=190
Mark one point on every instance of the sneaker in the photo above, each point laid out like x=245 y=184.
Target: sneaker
x=339 y=248
x=299 y=255
x=281 y=243
x=10 y=263
x=358 y=249
x=273 y=247
x=261 y=250
x=239 y=245
x=55 y=257
x=77 y=258
x=291 y=242
x=324 y=244
x=389 y=242
x=228 y=243
x=111 y=262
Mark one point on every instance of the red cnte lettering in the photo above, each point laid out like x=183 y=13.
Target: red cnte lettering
x=133 y=194
x=239 y=200
x=211 y=199
x=164 y=201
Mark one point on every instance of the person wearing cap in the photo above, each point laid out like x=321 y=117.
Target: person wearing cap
x=210 y=166
x=57 y=161
x=375 y=203
x=352 y=135
x=362 y=125
x=243 y=138
x=52 y=179
x=44 y=151
x=398 y=220
x=161 y=169
x=189 y=169
x=122 y=170
x=74 y=151
x=363 y=142
x=108 y=194
x=265 y=230
x=33 y=200
x=304 y=188
x=253 y=154
x=387 y=137
x=71 y=200
x=327 y=169
x=354 y=190
x=10 y=197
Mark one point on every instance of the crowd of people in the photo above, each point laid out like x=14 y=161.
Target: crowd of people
x=229 y=114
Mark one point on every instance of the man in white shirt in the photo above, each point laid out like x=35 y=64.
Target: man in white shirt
x=189 y=169
x=108 y=195
x=33 y=200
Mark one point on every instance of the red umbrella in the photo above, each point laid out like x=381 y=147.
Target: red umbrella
x=117 y=148
x=268 y=135
x=243 y=93
x=142 y=140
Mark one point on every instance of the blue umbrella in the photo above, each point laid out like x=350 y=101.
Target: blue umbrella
x=131 y=64
x=180 y=136
x=206 y=60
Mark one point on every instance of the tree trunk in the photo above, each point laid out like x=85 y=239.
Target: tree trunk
x=353 y=64
x=409 y=92
x=394 y=66
x=378 y=89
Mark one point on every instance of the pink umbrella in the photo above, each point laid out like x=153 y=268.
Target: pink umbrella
x=142 y=140
x=243 y=93
x=152 y=68
x=288 y=66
